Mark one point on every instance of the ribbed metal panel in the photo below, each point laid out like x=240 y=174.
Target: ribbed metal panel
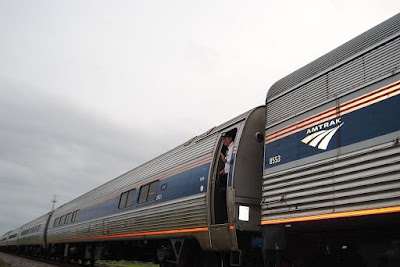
x=298 y=100
x=199 y=147
x=344 y=52
x=4 y=238
x=186 y=213
x=382 y=59
x=360 y=180
x=14 y=240
x=345 y=77
x=36 y=238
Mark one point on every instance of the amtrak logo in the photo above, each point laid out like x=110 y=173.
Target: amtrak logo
x=321 y=137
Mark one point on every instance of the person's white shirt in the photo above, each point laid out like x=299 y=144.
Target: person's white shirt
x=229 y=154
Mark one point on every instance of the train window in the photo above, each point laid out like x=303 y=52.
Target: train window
x=144 y=190
x=75 y=216
x=122 y=201
x=61 y=220
x=56 y=221
x=152 y=191
x=129 y=201
x=164 y=186
x=148 y=192
x=126 y=199
x=67 y=218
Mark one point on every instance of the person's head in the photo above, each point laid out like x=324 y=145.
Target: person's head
x=227 y=140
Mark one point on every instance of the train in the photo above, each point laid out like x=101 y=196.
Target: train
x=315 y=180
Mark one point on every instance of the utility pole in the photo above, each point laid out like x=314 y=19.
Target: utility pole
x=54 y=201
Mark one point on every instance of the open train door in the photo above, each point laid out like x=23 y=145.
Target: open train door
x=241 y=187
x=219 y=229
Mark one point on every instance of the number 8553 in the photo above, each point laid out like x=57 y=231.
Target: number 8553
x=275 y=160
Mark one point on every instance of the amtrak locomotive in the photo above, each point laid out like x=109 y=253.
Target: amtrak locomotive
x=315 y=180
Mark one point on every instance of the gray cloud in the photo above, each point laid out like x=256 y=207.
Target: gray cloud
x=50 y=148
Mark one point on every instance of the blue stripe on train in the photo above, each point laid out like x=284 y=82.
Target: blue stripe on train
x=372 y=121
x=180 y=185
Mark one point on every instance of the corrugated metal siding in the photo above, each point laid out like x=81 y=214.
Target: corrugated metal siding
x=34 y=238
x=295 y=102
x=379 y=62
x=361 y=180
x=197 y=148
x=344 y=52
x=175 y=158
x=4 y=238
x=13 y=241
x=183 y=214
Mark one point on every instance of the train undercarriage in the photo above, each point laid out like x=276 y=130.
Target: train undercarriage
x=367 y=241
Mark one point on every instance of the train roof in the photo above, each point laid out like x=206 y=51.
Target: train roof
x=349 y=50
x=39 y=220
x=151 y=168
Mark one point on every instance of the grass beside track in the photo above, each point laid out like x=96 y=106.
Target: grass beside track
x=3 y=264
x=123 y=264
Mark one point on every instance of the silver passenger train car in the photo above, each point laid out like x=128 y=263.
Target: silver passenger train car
x=169 y=208
x=331 y=184
x=32 y=236
x=3 y=241
x=10 y=239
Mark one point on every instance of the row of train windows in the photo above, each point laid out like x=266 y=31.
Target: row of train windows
x=66 y=218
x=147 y=193
x=31 y=230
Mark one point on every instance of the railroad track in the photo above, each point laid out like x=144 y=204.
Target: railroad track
x=56 y=262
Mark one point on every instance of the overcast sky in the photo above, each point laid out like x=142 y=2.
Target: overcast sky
x=91 y=89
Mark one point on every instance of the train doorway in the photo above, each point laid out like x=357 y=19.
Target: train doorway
x=221 y=174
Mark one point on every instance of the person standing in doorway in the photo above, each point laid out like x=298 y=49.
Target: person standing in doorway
x=226 y=158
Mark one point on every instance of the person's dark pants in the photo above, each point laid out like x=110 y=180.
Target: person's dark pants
x=220 y=200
